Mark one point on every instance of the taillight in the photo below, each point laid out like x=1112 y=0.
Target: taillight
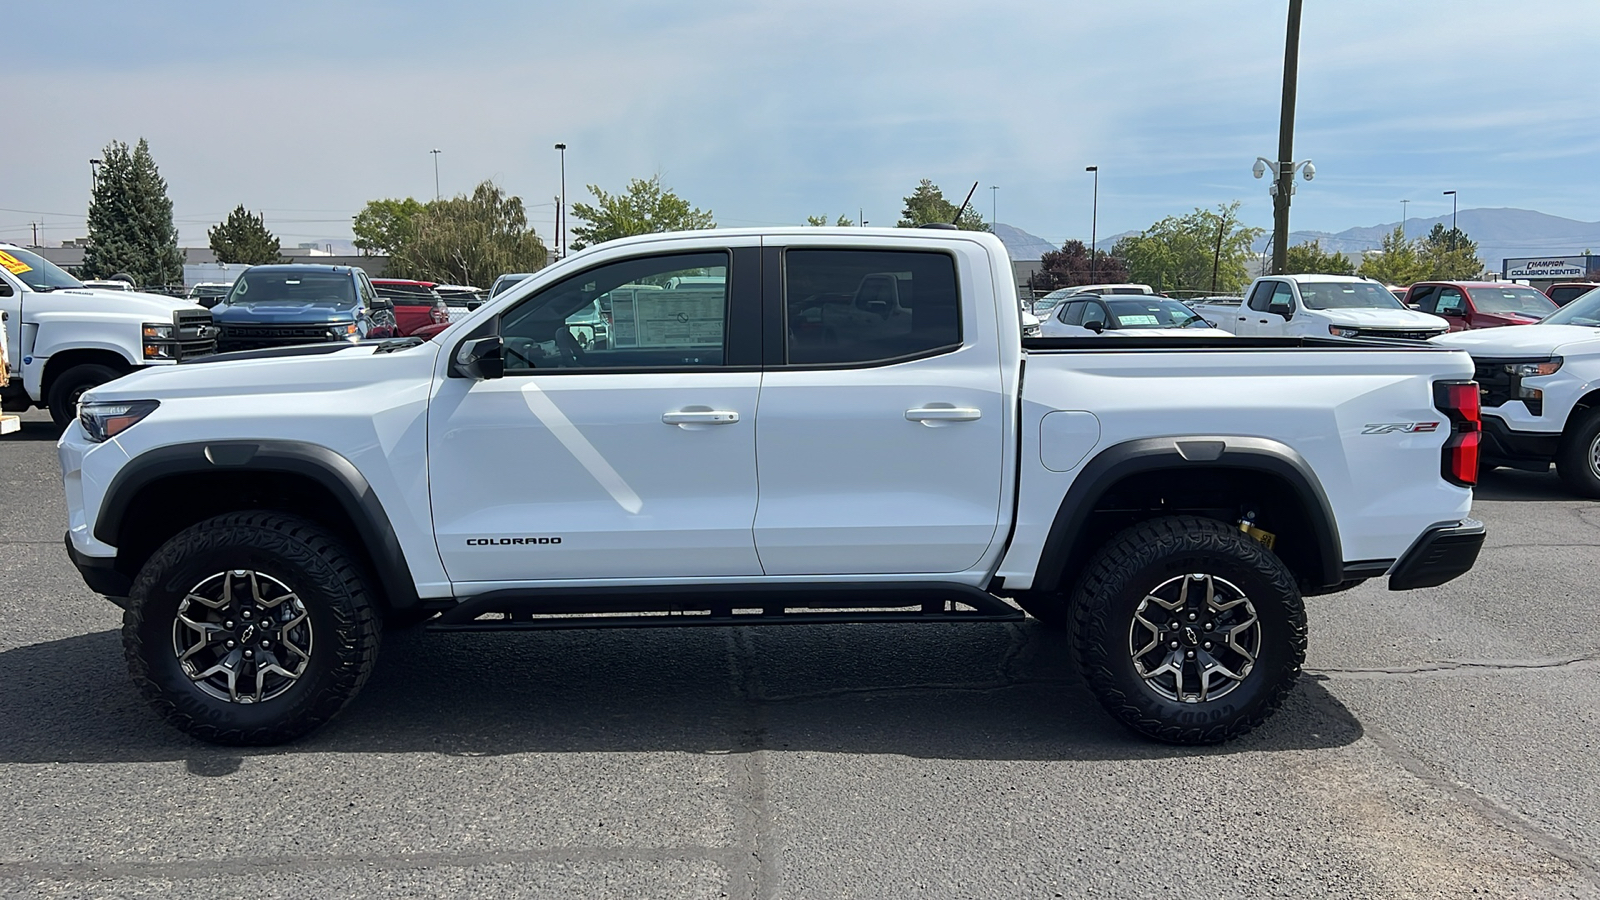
x=440 y=313
x=1459 y=401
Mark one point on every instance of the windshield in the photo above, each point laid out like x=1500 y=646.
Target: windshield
x=1583 y=311
x=1154 y=312
x=38 y=273
x=278 y=286
x=1509 y=300
x=505 y=283
x=1347 y=295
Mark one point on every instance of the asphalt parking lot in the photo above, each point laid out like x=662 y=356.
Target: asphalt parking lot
x=1443 y=743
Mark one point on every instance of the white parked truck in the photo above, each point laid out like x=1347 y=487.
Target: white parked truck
x=733 y=455
x=1540 y=392
x=1320 y=306
x=65 y=339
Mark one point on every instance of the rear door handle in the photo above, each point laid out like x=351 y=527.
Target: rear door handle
x=943 y=414
x=701 y=417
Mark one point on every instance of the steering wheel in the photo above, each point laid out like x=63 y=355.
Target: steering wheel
x=571 y=350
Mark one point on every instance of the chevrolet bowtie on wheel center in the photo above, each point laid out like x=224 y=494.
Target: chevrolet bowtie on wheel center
x=765 y=427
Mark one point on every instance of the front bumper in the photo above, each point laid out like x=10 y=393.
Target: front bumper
x=1501 y=443
x=1443 y=553
x=100 y=574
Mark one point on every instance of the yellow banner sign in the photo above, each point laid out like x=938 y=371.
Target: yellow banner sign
x=13 y=265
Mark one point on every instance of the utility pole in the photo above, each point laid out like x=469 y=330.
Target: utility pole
x=561 y=217
x=994 y=191
x=1403 y=219
x=1094 y=218
x=35 y=233
x=435 y=153
x=1286 y=166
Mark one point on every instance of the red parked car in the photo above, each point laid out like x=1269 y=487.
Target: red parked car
x=1480 y=304
x=1565 y=292
x=416 y=303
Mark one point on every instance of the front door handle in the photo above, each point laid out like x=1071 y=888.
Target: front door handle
x=700 y=417
x=943 y=414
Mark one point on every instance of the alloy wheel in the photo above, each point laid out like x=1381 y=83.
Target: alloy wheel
x=242 y=636
x=1194 y=638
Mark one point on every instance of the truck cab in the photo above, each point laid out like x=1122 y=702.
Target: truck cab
x=65 y=338
x=1480 y=304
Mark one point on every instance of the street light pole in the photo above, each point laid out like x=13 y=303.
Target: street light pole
x=1094 y=218
x=1286 y=167
x=993 y=192
x=435 y=153
x=561 y=215
x=94 y=172
x=1403 y=219
x=1452 y=196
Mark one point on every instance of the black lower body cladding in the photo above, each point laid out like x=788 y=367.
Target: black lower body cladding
x=1443 y=553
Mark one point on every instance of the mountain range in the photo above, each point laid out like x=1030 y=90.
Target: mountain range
x=1500 y=233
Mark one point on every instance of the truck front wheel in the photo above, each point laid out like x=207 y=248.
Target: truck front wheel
x=1578 y=457
x=1188 y=631
x=66 y=388
x=250 y=628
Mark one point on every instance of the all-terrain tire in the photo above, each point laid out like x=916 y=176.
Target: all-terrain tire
x=1577 y=461
x=71 y=384
x=1157 y=555
x=328 y=587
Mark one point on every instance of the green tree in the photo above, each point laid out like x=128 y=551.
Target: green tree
x=1206 y=250
x=1069 y=267
x=820 y=221
x=1449 y=254
x=244 y=238
x=469 y=240
x=1311 y=259
x=1397 y=262
x=927 y=204
x=383 y=226
x=644 y=208
x=130 y=220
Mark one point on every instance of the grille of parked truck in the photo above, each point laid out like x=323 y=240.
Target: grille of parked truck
x=791 y=425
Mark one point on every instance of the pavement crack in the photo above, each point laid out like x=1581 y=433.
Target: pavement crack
x=753 y=875
x=1446 y=666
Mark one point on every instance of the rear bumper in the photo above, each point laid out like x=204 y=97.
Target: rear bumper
x=1444 y=552
x=100 y=574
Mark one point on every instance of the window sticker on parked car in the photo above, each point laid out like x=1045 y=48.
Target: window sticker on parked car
x=13 y=265
x=1146 y=321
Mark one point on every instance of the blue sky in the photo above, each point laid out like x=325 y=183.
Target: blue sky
x=768 y=112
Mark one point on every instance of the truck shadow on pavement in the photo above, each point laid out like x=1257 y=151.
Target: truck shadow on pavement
x=1000 y=692
x=1518 y=485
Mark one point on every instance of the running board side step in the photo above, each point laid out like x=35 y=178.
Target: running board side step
x=678 y=606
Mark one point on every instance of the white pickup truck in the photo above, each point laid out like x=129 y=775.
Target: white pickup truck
x=65 y=338
x=1320 y=306
x=732 y=456
x=1540 y=392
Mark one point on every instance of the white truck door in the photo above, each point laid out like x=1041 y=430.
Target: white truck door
x=1273 y=319
x=628 y=457
x=879 y=448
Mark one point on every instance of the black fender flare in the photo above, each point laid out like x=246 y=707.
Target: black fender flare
x=1118 y=461
x=329 y=469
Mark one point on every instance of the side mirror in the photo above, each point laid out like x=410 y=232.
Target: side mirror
x=1281 y=309
x=473 y=304
x=1095 y=326
x=480 y=359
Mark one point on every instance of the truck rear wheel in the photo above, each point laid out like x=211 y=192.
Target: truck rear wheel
x=71 y=385
x=1578 y=458
x=1188 y=631
x=250 y=628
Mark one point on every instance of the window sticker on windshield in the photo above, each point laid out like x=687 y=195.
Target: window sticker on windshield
x=1138 y=320
x=13 y=265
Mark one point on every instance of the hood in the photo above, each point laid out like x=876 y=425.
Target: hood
x=1383 y=318
x=1525 y=340
x=137 y=302
x=283 y=314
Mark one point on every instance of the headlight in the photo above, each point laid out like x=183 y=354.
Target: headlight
x=1342 y=331
x=341 y=332
x=158 y=341
x=102 y=421
x=158 y=332
x=1534 y=368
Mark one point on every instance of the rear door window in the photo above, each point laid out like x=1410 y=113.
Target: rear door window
x=869 y=306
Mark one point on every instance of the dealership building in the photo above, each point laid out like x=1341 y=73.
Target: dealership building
x=1543 y=271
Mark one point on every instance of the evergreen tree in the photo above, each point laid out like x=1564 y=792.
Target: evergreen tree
x=244 y=238
x=1310 y=259
x=130 y=220
x=1449 y=254
x=927 y=204
x=1397 y=263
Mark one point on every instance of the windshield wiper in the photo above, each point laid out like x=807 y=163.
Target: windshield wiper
x=1193 y=319
x=394 y=344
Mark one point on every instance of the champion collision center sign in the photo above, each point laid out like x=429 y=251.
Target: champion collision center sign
x=1548 y=267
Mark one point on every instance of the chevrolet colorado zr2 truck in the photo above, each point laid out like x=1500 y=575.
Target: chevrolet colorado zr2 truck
x=748 y=446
